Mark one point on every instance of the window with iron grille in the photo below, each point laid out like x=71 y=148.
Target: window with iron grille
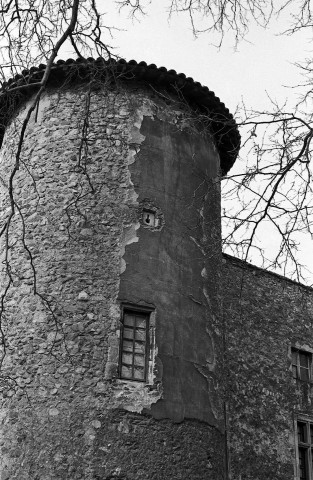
x=134 y=345
x=301 y=364
x=305 y=450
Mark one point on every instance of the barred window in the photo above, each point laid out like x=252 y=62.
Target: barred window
x=301 y=364
x=305 y=450
x=134 y=345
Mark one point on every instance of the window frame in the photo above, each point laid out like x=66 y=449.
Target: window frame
x=300 y=351
x=306 y=446
x=144 y=312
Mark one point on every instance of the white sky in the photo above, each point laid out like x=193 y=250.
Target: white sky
x=262 y=64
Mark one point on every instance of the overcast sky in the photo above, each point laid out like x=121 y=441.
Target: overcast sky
x=263 y=62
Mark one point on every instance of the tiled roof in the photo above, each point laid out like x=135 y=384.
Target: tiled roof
x=221 y=122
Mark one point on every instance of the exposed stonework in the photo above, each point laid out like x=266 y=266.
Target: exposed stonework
x=264 y=314
x=80 y=191
x=218 y=401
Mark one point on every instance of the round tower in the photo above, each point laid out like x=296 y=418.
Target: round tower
x=110 y=261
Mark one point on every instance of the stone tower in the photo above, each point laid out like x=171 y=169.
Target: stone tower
x=110 y=275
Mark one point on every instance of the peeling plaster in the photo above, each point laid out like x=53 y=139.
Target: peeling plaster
x=134 y=141
x=129 y=236
x=135 y=396
x=170 y=155
x=130 y=395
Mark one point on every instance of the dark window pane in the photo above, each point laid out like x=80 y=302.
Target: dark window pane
x=303 y=464
x=140 y=322
x=304 y=374
x=140 y=347
x=127 y=358
x=140 y=334
x=126 y=372
x=139 y=373
x=139 y=360
x=128 y=333
x=301 y=432
x=294 y=357
x=128 y=345
x=304 y=359
x=129 y=320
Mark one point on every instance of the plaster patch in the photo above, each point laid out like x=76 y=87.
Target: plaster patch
x=131 y=155
x=136 y=138
x=129 y=236
x=135 y=396
x=145 y=110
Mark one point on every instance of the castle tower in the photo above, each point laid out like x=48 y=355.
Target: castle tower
x=111 y=342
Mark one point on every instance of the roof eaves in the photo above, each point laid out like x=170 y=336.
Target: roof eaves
x=222 y=123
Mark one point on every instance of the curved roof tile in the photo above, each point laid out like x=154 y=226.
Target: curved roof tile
x=221 y=122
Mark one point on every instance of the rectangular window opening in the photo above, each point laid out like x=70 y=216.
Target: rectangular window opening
x=134 y=355
x=301 y=365
x=305 y=449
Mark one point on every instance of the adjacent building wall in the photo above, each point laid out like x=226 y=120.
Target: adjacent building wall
x=264 y=315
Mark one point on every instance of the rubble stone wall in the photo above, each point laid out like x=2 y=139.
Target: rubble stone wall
x=76 y=249
x=264 y=316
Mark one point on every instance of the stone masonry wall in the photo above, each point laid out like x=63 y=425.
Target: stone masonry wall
x=264 y=315
x=64 y=414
